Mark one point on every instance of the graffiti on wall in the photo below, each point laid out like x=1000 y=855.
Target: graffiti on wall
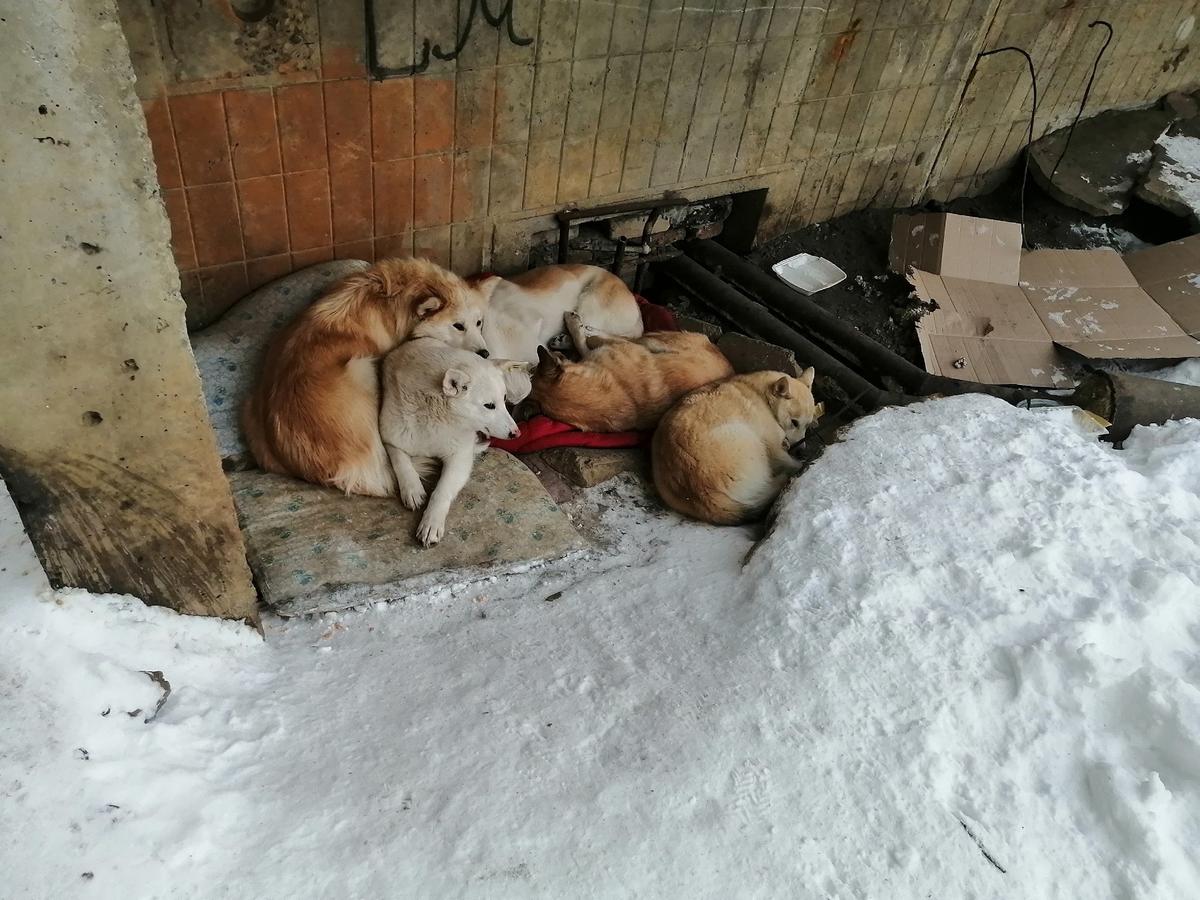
x=501 y=19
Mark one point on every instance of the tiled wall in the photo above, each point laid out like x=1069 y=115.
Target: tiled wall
x=831 y=105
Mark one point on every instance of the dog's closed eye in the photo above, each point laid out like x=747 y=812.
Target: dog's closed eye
x=460 y=326
x=489 y=406
x=795 y=423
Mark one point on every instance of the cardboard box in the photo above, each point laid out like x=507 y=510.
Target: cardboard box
x=1006 y=317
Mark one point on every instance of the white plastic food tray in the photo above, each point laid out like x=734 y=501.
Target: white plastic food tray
x=807 y=273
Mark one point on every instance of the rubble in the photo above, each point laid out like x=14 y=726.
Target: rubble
x=1173 y=180
x=1105 y=161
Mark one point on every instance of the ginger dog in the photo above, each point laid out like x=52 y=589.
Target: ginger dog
x=526 y=311
x=623 y=385
x=314 y=411
x=721 y=454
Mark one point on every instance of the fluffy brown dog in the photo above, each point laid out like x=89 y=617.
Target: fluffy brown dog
x=624 y=385
x=314 y=412
x=721 y=454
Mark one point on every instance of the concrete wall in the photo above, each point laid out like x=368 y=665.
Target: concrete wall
x=276 y=152
x=104 y=439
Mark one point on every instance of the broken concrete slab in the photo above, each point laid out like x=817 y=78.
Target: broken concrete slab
x=1107 y=157
x=748 y=354
x=1173 y=182
x=587 y=467
x=228 y=351
x=314 y=549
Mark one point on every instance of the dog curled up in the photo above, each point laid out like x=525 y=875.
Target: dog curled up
x=314 y=411
x=440 y=404
x=620 y=384
x=722 y=454
x=527 y=310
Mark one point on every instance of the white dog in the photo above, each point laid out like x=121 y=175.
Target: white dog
x=439 y=404
x=526 y=311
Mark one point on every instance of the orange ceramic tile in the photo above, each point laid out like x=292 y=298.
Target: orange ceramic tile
x=355 y=250
x=392 y=118
x=264 y=219
x=223 y=285
x=340 y=61
x=181 y=229
x=162 y=142
x=252 y=133
x=433 y=114
x=432 y=180
x=301 y=112
x=265 y=270
x=215 y=228
x=393 y=197
x=198 y=121
x=348 y=122
x=308 y=210
x=189 y=287
x=353 y=202
x=311 y=257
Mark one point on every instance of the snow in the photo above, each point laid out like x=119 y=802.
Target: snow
x=1186 y=372
x=972 y=629
x=1180 y=167
x=1105 y=235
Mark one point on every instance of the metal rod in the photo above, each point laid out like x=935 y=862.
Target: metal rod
x=797 y=308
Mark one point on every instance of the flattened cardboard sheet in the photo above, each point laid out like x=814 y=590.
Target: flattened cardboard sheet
x=1171 y=275
x=1003 y=315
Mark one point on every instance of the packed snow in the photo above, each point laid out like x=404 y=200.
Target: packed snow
x=963 y=663
x=1186 y=372
x=1180 y=167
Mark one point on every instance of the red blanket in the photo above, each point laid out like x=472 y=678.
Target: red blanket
x=542 y=433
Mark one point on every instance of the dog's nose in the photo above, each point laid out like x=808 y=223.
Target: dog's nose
x=514 y=433
x=483 y=353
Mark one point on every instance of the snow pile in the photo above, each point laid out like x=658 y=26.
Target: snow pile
x=1179 y=168
x=997 y=620
x=1186 y=372
x=1105 y=235
x=973 y=630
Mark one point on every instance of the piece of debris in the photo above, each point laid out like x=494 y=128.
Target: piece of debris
x=89 y=248
x=1173 y=181
x=1102 y=164
x=157 y=677
x=553 y=597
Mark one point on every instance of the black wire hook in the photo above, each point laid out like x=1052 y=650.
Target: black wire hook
x=1086 y=93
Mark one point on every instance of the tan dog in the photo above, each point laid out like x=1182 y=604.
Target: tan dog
x=623 y=385
x=314 y=412
x=527 y=310
x=721 y=454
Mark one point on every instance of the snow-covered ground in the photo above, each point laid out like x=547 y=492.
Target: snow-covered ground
x=964 y=663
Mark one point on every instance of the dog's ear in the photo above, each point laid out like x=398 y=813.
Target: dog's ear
x=808 y=375
x=549 y=362
x=487 y=286
x=429 y=306
x=455 y=382
x=781 y=388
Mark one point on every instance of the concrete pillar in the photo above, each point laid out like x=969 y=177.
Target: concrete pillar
x=104 y=439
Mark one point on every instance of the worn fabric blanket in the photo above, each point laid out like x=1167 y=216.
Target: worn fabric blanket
x=542 y=432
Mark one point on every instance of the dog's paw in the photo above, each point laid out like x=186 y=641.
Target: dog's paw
x=431 y=530
x=572 y=319
x=414 y=499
